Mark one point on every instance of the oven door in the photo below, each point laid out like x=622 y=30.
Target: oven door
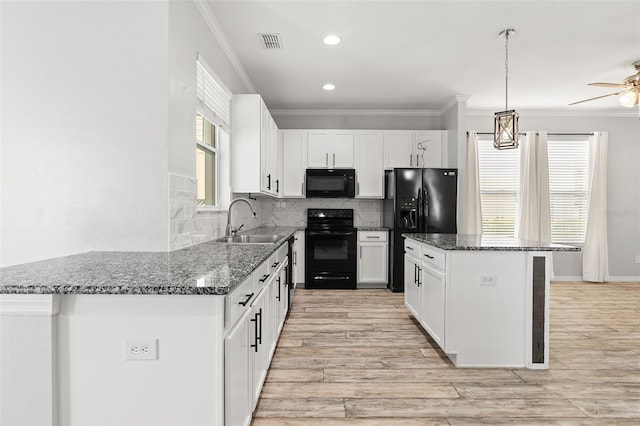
x=330 y=259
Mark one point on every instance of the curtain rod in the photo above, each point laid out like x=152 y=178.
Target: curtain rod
x=550 y=134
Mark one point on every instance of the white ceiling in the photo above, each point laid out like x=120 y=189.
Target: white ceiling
x=417 y=55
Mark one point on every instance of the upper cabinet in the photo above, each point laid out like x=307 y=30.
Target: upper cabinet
x=254 y=147
x=422 y=148
x=369 y=153
x=294 y=162
x=330 y=149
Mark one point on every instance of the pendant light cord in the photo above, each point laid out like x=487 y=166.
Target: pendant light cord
x=506 y=70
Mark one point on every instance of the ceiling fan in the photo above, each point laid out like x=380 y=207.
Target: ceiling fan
x=630 y=85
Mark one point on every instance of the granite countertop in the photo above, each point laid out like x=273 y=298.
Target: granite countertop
x=206 y=268
x=371 y=228
x=484 y=242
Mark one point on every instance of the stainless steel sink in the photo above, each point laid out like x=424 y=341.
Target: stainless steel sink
x=251 y=239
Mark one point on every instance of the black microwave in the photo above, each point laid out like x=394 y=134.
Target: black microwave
x=331 y=183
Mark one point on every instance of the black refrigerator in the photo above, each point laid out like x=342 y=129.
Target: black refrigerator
x=417 y=200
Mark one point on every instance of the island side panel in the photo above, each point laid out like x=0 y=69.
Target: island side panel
x=486 y=312
x=183 y=386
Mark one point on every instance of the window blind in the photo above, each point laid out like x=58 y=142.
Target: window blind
x=499 y=173
x=214 y=98
x=568 y=187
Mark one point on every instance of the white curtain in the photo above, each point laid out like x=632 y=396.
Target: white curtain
x=595 y=256
x=535 y=212
x=470 y=215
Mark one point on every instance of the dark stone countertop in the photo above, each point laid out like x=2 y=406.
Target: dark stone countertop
x=484 y=242
x=207 y=268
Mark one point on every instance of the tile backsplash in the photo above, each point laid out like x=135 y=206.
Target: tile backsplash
x=293 y=211
x=188 y=226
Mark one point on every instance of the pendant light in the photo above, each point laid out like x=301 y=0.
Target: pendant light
x=505 y=125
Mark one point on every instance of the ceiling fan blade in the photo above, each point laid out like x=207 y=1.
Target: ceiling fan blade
x=598 y=97
x=608 y=85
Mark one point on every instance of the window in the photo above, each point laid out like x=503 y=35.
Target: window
x=212 y=121
x=568 y=187
x=499 y=188
x=206 y=161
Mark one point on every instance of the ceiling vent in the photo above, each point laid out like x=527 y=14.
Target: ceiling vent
x=271 y=40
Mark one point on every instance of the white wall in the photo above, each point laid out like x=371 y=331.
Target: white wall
x=84 y=128
x=623 y=185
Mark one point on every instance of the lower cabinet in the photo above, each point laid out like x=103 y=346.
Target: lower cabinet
x=433 y=302
x=373 y=255
x=425 y=288
x=238 y=397
x=251 y=340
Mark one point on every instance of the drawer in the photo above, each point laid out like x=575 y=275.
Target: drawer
x=262 y=273
x=412 y=248
x=432 y=256
x=238 y=301
x=372 y=236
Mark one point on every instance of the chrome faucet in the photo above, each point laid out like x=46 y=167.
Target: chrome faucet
x=231 y=231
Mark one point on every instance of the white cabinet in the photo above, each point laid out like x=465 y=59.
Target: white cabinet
x=330 y=149
x=254 y=148
x=419 y=148
x=425 y=287
x=433 y=302
x=294 y=162
x=238 y=400
x=373 y=252
x=257 y=342
x=369 y=164
x=412 y=299
x=298 y=258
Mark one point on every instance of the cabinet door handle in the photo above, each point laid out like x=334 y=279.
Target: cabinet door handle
x=334 y=159
x=278 y=296
x=244 y=303
x=295 y=257
x=259 y=315
x=326 y=159
x=415 y=274
x=278 y=185
x=419 y=276
x=254 y=320
x=410 y=160
x=264 y=278
x=269 y=181
x=302 y=188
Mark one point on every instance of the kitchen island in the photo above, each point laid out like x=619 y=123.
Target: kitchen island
x=141 y=338
x=484 y=300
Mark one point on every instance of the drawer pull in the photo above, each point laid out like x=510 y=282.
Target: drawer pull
x=409 y=248
x=375 y=237
x=264 y=278
x=275 y=264
x=249 y=296
x=430 y=257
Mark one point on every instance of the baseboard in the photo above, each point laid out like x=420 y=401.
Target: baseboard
x=371 y=285
x=625 y=279
x=563 y=278
x=620 y=279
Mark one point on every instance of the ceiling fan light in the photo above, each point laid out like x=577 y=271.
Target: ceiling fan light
x=628 y=99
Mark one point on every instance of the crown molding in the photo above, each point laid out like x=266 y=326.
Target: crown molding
x=457 y=99
x=356 y=112
x=214 y=26
x=558 y=113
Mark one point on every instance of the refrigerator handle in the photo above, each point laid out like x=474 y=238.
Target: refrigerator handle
x=419 y=212
x=425 y=199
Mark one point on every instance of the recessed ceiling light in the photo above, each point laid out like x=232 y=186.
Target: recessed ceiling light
x=328 y=86
x=331 y=40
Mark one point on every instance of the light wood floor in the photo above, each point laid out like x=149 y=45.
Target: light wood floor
x=358 y=358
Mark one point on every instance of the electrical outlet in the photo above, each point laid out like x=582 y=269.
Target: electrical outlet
x=141 y=349
x=638 y=258
x=488 y=280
